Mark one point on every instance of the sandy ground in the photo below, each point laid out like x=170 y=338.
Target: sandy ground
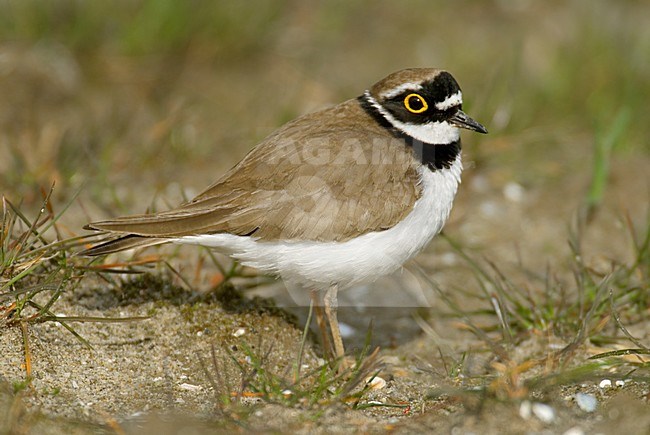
x=159 y=375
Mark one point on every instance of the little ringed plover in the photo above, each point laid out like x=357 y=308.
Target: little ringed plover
x=330 y=199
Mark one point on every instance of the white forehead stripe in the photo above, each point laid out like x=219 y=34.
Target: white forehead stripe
x=401 y=88
x=451 y=101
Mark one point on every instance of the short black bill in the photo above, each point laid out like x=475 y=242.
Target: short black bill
x=460 y=119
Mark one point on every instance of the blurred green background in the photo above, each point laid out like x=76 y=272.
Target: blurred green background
x=124 y=99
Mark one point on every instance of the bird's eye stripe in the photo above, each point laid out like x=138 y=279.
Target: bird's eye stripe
x=415 y=103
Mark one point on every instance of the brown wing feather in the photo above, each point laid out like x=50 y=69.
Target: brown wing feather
x=310 y=180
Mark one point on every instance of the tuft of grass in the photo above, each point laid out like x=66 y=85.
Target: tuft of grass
x=34 y=272
x=315 y=390
x=32 y=266
x=548 y=304
x=588 y=316
x=36 y=267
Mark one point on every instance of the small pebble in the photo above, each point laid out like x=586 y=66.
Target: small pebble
x=479 y=183
x=346 y=330
x=514 y=192
x=489 y=209
x=586 y=402
x=544 y=412
x=605 y=383
x=525 y=410
x=448 y=259
x=239 y=332
x=189 y=387
x=620 y=383
x=287 y=393
x=391 y=359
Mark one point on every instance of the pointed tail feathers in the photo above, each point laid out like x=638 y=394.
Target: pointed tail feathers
x=123 y=243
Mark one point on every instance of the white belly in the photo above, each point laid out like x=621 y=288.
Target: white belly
x=320 y=264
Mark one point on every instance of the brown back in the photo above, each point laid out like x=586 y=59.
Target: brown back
x=327 y=176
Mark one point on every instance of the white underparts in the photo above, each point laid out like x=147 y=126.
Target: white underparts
x=318 y=264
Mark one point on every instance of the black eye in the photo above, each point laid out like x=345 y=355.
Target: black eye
x=415 y=103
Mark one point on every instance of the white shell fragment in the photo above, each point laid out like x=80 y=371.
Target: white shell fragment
x=586 y=402
x=543 y=412
x=375 y=383
x=239 y=332
x=605 y=383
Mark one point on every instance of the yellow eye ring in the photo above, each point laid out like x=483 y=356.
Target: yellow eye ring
x=415 y=103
